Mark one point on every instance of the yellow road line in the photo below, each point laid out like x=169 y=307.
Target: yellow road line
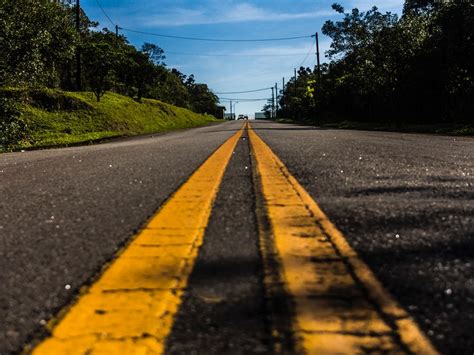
x=131 y=307
x=340 y=307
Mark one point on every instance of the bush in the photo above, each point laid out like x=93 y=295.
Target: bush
x=12 y=128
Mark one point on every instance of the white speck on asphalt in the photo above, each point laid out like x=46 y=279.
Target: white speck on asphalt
x=448 y=291
x=110 y=165
x=67 y=287
x=397 y=236
x=42 y=322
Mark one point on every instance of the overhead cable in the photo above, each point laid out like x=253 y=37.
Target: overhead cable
x=237 y=99
x=307 y=55
x=237 y=55
x=216 y=39
x=241 y=92
x=105 y=13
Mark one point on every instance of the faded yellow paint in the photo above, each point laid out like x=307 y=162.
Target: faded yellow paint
x=340 y=307
x=131 y=307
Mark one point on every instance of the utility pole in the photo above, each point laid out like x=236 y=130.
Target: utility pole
x=273 y=103
x=283 y=91
x=116 y=31
x=295 y=81
x=231 y=117
x=317 y=56
x=276 y=100
x=78 y=48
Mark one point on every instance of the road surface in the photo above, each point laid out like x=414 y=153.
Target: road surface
x=78 y=227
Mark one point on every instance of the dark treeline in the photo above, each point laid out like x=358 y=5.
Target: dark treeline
x=39 y=42
x=414 y=69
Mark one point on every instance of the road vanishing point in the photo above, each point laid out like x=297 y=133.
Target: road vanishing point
x=240 y=238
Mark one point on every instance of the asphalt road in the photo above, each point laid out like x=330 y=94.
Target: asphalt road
x=404 y=202
x=223 y=311
x=65 y=212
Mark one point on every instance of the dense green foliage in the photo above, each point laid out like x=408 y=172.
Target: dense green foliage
x=36 y=38
x=39 y=44
x=418 y=68
x=51 y=117
x=12 y=128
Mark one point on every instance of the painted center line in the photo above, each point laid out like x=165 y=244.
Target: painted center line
x=130 y=308
x=339 y=305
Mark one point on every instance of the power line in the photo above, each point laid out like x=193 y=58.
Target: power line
x=237 y=55
x=246 y=100
x=307 y=55
x=215 y=39
x=105 y=13
x=241 y=92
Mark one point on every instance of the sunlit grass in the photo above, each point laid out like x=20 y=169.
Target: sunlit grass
x=64 y=118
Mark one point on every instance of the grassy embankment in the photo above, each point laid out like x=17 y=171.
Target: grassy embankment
x=58 y=118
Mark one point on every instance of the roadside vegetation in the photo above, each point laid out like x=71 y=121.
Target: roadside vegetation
x=402 y=73
x=47 y=99
x=51 y=117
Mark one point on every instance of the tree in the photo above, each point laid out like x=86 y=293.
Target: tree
x=99 y=60
x=202 y=99
x=143 y=73
x=154 y=53
x=36 y=37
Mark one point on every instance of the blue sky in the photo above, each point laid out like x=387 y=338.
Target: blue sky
x=231 y=66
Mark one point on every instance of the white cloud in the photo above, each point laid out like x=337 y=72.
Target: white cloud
x=242 y=12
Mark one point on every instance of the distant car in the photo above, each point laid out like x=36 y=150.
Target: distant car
x=241 y=117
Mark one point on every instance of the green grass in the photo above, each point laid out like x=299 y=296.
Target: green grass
x=57 y=118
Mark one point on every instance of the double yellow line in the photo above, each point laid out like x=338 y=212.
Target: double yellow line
x=339 y=306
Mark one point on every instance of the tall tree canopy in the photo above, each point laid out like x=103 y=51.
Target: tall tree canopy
x=414 y=68
x=39 y=42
